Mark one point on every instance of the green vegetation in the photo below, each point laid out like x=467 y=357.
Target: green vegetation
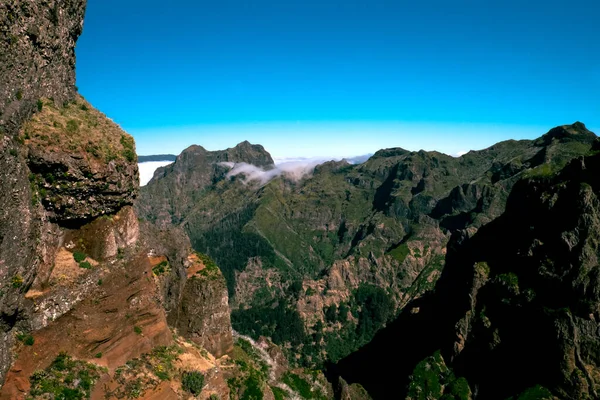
x=19 y=94
x=137 y=330
x=161 y=268
x=535 y=393
x=210 y=268
x=72 y=126
x=279 y=393
x=79 y=128
x=147 y=371
x=66 y=379
x=192 y=382
x=16 y=281
x=79 y=256
x=432 y=379
x=400 y=252
x=252 y=389
x=128 y=148
x=281 y=322
x=26 y=339
x=85 y=265
x=298 y=385
x=98 y=355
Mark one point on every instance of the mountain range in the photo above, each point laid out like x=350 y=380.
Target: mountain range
x=410 y=275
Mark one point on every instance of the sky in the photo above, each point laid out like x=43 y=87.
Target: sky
x=336 y=78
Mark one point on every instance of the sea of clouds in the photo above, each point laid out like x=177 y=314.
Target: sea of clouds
x=147 y=170
x=292 y=168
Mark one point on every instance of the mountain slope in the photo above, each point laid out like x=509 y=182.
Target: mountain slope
x=518 y=303
x=315 y=250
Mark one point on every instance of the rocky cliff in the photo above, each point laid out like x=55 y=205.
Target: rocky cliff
x=84 y=286
x=515 y=312
x=301 y=256
x=37 y=61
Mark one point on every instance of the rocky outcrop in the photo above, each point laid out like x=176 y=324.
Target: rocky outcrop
x=37 y=56
x=82 y=164
x=203 y=312
x=37 y=60
x=516 y=309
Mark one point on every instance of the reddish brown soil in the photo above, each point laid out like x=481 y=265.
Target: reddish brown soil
x=102 y=323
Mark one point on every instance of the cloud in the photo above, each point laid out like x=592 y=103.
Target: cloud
x=294 y=170
x=460 y=153
x=147 y=170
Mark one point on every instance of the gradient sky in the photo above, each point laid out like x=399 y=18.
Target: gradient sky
x=340 y=77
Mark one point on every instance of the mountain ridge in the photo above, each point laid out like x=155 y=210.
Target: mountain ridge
x=378 y=229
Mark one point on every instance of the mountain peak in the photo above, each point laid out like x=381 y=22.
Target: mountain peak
x=245 y=151
x=576 y=131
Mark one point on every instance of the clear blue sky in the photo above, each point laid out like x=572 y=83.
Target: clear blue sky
x=340 y=77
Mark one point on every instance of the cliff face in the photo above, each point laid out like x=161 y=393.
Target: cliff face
x=37 y=42
x=78 y=272
x=203 y=312
x=37 y=55
x=516 y=309
x=536 y=311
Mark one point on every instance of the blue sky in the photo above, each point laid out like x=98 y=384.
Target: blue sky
x=340 y=78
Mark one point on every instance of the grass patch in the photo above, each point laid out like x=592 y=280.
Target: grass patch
x=161 y=268
x=400 y=252
x=210 y=267
x=65 y=378
x=16 y=281
x=80 y=128
x=298 y=385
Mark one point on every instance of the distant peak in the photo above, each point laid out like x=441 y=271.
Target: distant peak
x=576 y=131
x=392 y=152
x=244 y=144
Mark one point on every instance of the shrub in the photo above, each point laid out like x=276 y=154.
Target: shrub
x=192 y=382
x=161 y=268
x=26 y=339
x=129 y=155
x=137 y=330
x=79 y=256
x=19 y=94
x=85 y=264
x=40 y=105
x=17 y=281
x=98 y=355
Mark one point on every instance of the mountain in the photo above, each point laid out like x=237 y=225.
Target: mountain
x=323 y=262
x=95 y=303
x=517 y=307
x=157 y=157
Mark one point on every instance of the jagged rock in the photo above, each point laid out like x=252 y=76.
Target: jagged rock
x=37 y=60
x=203 y=312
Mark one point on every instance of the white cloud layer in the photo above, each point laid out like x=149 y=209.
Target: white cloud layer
x=294 y=170
x=147 y=170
